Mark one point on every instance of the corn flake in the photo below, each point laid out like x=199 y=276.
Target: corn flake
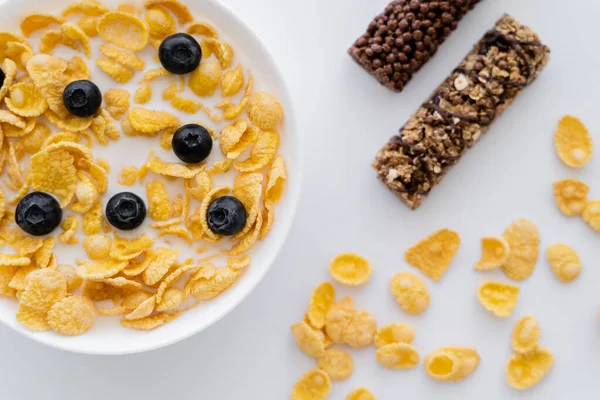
x=398 y=356
x=591 y=214
x=434 y=254
x=564 y=261
x=494 y=253
x=160 y=23
x=89 y=8
x=124 y=57
x=26 y=100
x=97 y=247
x=570 y=196
x=124 y=30
x=307 y=339
x=361 y=330
x=524 y=243
x=43 y=288
x=453 y=363
x=573 y=142
x=338 y=319
x=78 y=69
x=206 y=78
x=73 y=315
x=117 y=102
x=262 y=153
x=336 y=363
x=43 y=255
x=526 y=370
x=205 y=289
x=54 y=172
x=313 y=385
x=202 y=29
x=396 y=332
x=159 y=267
x=70 y=274
x=360 y=394
x=232 y=111
x=10 y=72
x=149 y=121
x=99 y=270
x=6 y=275
x=232 y=82
x=322 y=299
x=118 y=72
x=525 y=335
x=36 y=320
x=410 y=292
x=92 y=220
x=350 y=269
x=143 y=94
x=14 y=260
x=37 y=21
x=89 y=25
x=75 y=33
x=159 y=207
x=265 y=111
x=498 y=298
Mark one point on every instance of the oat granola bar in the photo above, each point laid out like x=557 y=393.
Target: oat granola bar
x=399 y=41
x=505 y=61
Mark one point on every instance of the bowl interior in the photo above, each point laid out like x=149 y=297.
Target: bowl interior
x=108 y=337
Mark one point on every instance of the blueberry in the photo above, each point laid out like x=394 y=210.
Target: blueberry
x=125 y=211
x=180 y=53
x=226 y=216
x=38 y=213
x=82 y=98
x=192 y=143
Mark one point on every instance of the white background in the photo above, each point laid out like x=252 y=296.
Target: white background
x=345 y=117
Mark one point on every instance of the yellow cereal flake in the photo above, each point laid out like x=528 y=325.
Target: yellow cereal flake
x=154 y=74
x=525 y=335
x=86 y=194
x=276 y=178
x=77 y=69
x=75 y=33
x=232 y=81
x=170 y=91
x=361 y=330
x=307 y=339
x=564 y=261
x=160 y=23
x=591 y=214
x=143 y=94
x=573 y=142
x=54 y=172
x=159 y=206
x=221 y=50
x=205 y=288
x=262 y=153
x=42 y=256
x=202 y=29
x=350 y=269
x=247 y=240
x=6 y=275
x=118 y=72
x=180 y=10
x=360 y=394
x=36 y=320
x=13 y=260
x=117 y=102
x=434 y=254
x=338 y=319
x=570 y=196
x=235 y=138
x=158 y=268
x=494 y=253
x=151 y=322
x=52 y=38
x=322 y=299
x=396 y=332
x=102 y=163
x=526 y=370
x=124 y=57
x=498 y=298
x=220 y=167
x=265 y=111
x=123 y=30
x=10 y=71
x=205 y=79
x=336 y=363
x=73 y=315
x=186 y=105
x=172 y=278
x=19 y=278
x=92 y=220
x=89 y=25
x=149 y=121
x=172 y=299
x=97 y=247
x=88 y=8
x=313 y=385
x=26 y=100
x=43 y=288
x=232 y=111
x=410 y=292
x=524 y=243
x=32 y=143
x=99 y=270
x=124 y=247
x=397 y=356
x=70 y=274
x=128 y=176
x=36 y=21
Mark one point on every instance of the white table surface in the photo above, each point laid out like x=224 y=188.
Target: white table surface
x=345 y=117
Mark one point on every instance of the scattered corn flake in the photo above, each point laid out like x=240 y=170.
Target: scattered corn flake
x=498 y=298
x=262 y=153
x=143 y=310
x=350 y=269
x=123 y=283
x=205 y=79
x=360 y=394
x=160 y=23
x=232 y=111
x=100 y=291
x=525 y=335
x=124 y=30
x=22 y=243
x=276 y=178
x=172 y=299
x=118 y=72
x=123 y=246
x=151 y=322
x=88 y=8
x=70 y=274
x=78 y=69
x=54 y=172
x=166 y=224
x=74 y=32
x=494 y=253
x=61 y=137
x=235 y=138
x=524 y=243
x=73 y=315
x=410 y=292
x=186 y=105
x=124 y=57
x=86 y=194
x=117 y=102
x=99 y=174
x=321 y=300
x=221 y=50
x=22 y=191
x=34 y=319
x=2 y=204
x=202 y=29
x=99 y=270
x=26 y=100
x=591 y=214
x=172 y=278
x=52 y=38
x=564 y=261
x=205 y=289
x=170 y=91
x=153 y=74
x=43 y=288
x=434 y=254
x=159 y=206
x=232 y=81
x=159 y=267
x=14 y=171
x=570 y=196
x=526 y=370
x=313 y=385
x=338 y=319
x=14 y=260
x=176 y=231
x=111 y=312
x=180 y=10
x=10 y=72
x=396 y=332
x=239 y=263
x=37 y=21
x=265 y=111
x=6 y=275
x=307 y=339
x=220 y=167
x=92 y=220
x=149 y=121
x=247 y=240
x=361 y=330
x=6 y=117
x=128 y=176
x=143 y=94
x=32 y=143
x=452 y=363
x=19 y=279
x=573 y=142
x=397 y=356
x=268 y=216
x=336 y=363
x=71 y=123
x=89 y=25
x=42 y=256
x=97 y=247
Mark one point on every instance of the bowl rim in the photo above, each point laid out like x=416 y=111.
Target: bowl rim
x=292 y=200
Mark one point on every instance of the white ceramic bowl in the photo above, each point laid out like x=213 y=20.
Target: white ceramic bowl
x=108 y=337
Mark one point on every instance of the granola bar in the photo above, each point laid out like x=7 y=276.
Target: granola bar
x=505 y=61
x=399 y=41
